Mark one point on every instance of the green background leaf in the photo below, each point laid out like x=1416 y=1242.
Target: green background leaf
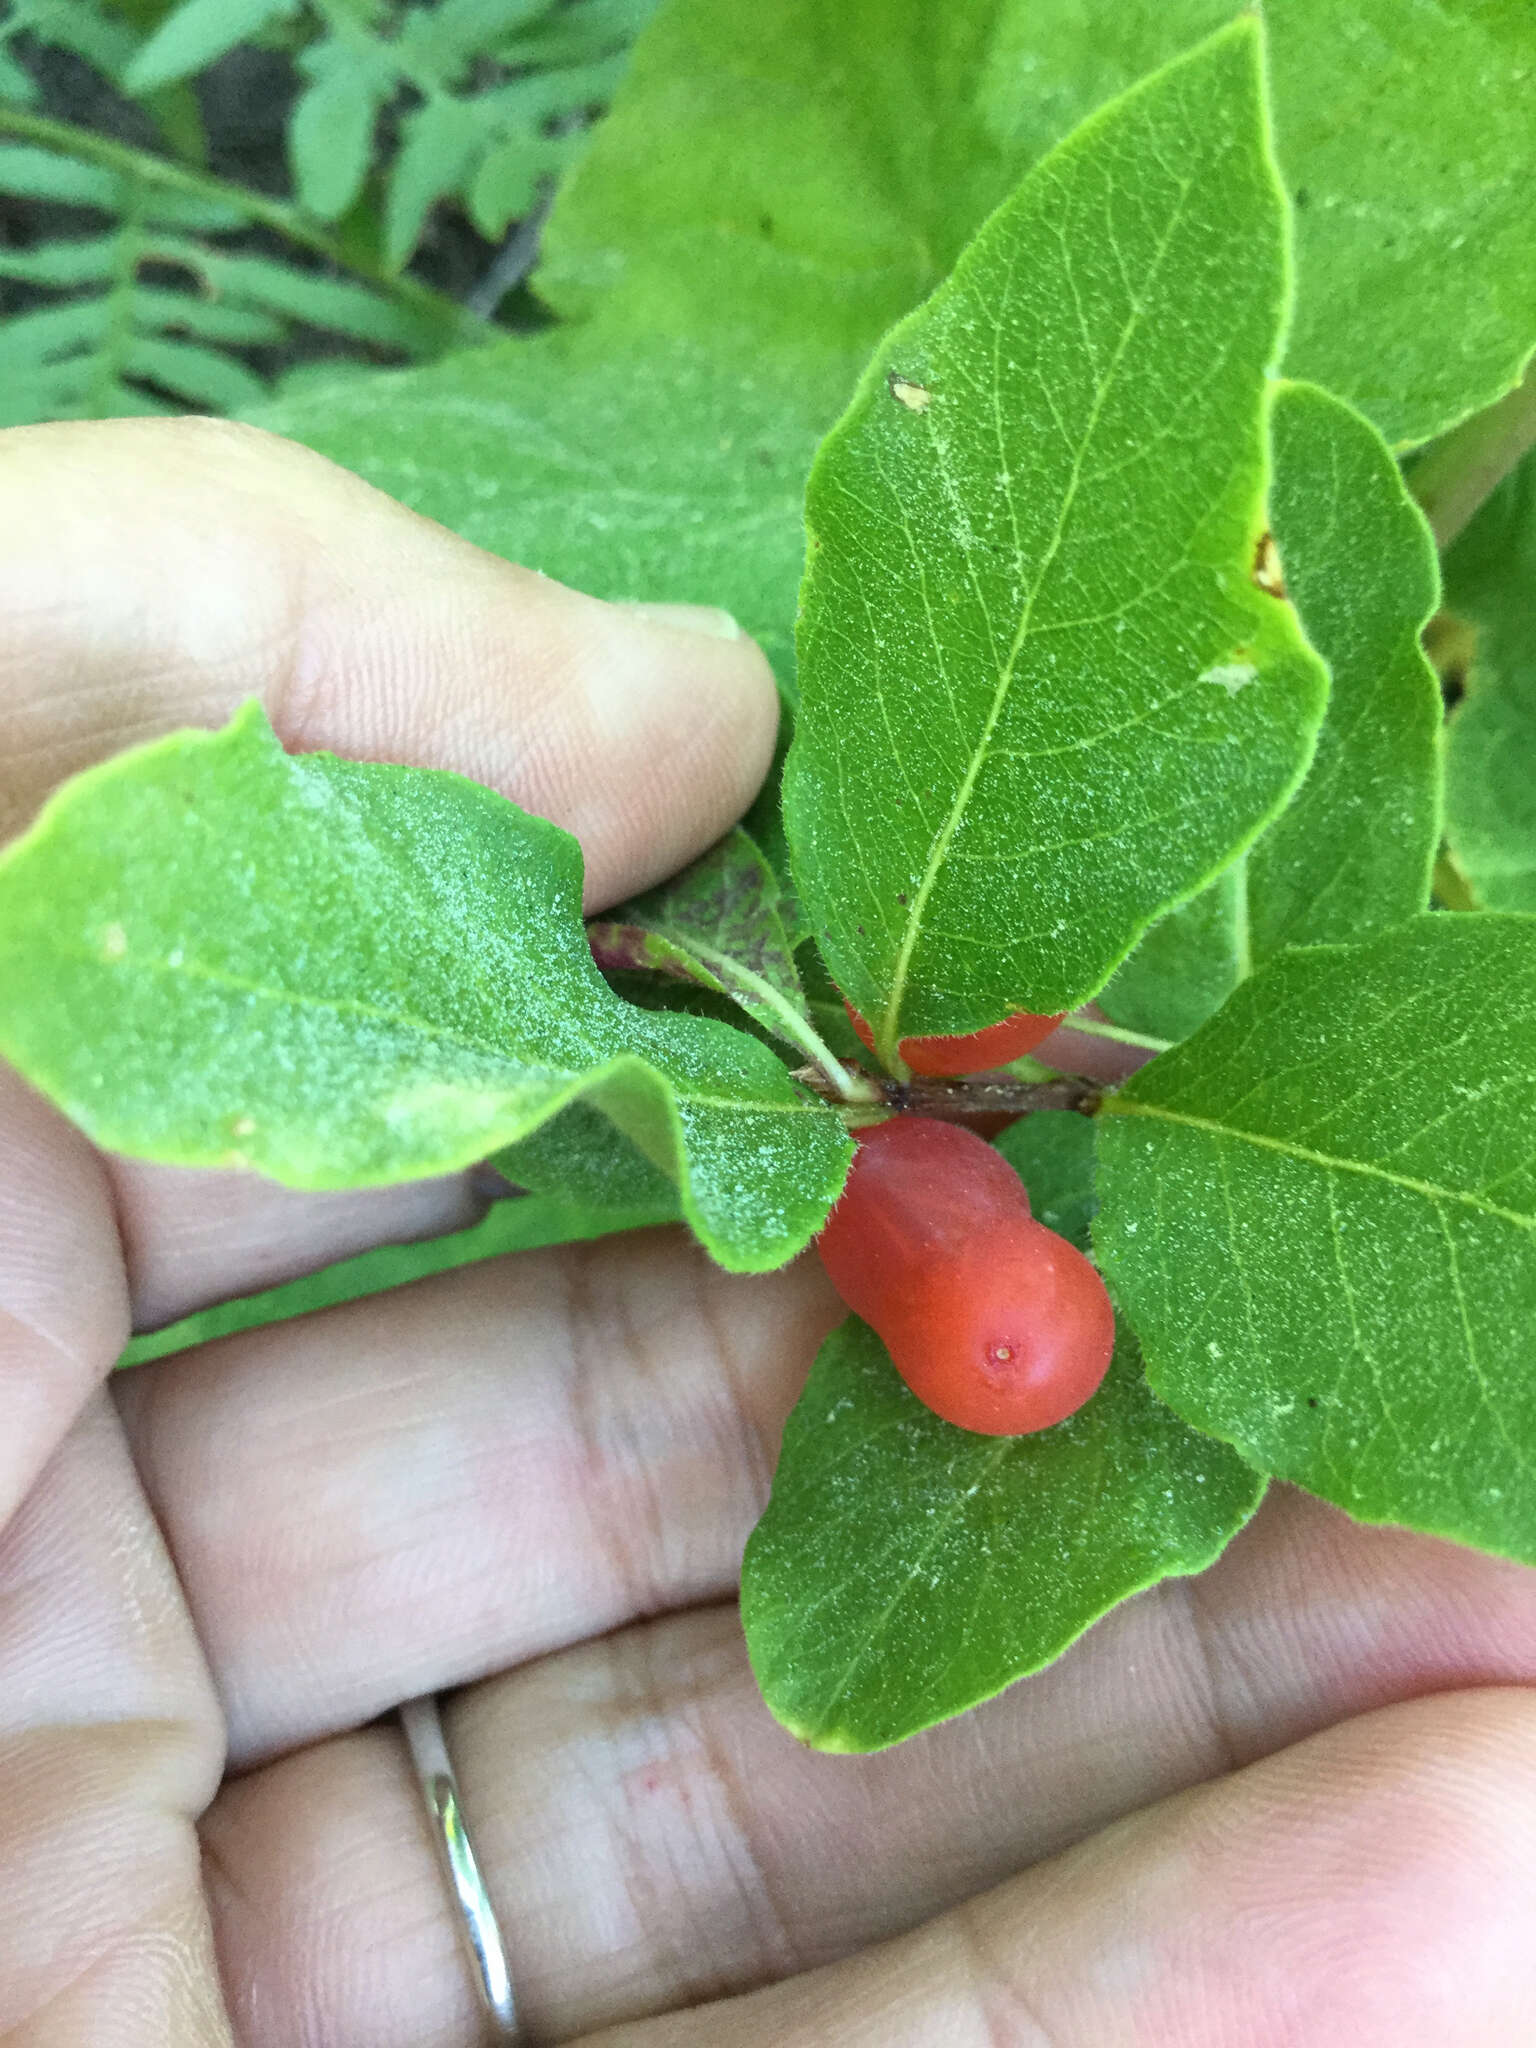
x=342 y=974
x=784 y=180
x=1031 y=545
x=651 y=471
x=1404 y=134
x=1319 y=1214
x=1353 y=852
x=1490 y=798
x=905 y=1569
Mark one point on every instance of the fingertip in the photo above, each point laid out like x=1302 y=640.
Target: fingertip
x=683 y=721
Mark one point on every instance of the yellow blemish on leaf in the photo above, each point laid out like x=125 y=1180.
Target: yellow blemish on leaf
x=114 y=942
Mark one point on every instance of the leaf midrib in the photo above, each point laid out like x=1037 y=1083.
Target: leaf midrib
x=939 y=848
x=406 y=1023
x=1330 y=1162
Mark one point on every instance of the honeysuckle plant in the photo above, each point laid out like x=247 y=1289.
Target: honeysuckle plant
x=1110 y=384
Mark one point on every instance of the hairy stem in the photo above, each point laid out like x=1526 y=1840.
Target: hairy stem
x=441 y=317
x=970 y=1095
x=1452 y=478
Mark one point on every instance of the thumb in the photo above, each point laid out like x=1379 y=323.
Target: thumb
x=154 y=573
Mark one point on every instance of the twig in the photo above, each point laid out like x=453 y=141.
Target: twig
x=973 y=1095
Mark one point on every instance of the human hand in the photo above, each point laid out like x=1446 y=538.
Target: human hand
x=1293 y=1801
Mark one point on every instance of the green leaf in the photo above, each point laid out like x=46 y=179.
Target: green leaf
x=506 y=182
x=211 y=318
x=906 y=1569
x=1404 y=132
x=88 y=261
x=1320 y=1216
x=50 y=331
x=1491 y=758
x=195 y=36
x=330 y=133
x=580 y=32
x=525 y=1224
x=581 y=1158
x=1353 y=852
x=200 y=376
x=1029 y=579
x=440 y=140
x=649 y=471
x=782 y=181
x=717 y=923
x=451 y=33
x=28 y=173
x=344 y=974
x=329 y=302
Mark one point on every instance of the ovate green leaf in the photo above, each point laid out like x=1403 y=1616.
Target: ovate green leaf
x=343 y=974
x=1030 y=590
x=1320 y=1216
x=906 y=1569
x=1352 y=853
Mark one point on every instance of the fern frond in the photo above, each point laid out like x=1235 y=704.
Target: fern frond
x=489 y=141
x=153 y=314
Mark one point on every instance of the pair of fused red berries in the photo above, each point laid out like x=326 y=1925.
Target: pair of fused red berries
x=995 y=1322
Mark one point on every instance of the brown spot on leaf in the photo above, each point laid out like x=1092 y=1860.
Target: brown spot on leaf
x=1266 y=567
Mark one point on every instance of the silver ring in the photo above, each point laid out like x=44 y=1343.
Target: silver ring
x=455 y=1852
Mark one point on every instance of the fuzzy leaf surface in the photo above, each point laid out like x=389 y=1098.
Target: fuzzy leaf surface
x=906 y=1569
x=1319 y=1214
x=1404 y=134
x=649 y=471
x=1030 y=579
x=343 y=974
x=1490 y=578
x=1353 y=852
x=773 y=180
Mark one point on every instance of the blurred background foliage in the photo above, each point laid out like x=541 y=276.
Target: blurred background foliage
x=206 y=201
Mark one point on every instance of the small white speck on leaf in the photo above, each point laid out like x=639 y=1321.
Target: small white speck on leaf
x=114 y=942
x=908 y=392
x=1231 y=675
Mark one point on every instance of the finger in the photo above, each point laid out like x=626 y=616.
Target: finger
x=191 y=1236
x=63 y=1296
x=110 y=1745
x=155 y=573
x=1375 y=1884
x=409 y=1492
x=365 y=1506
x=652 y=1838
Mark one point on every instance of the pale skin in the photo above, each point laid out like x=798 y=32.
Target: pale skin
x=1289 y=1805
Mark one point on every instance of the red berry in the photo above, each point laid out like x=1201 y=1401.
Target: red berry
x=974 y=1054
x=995 y=1323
